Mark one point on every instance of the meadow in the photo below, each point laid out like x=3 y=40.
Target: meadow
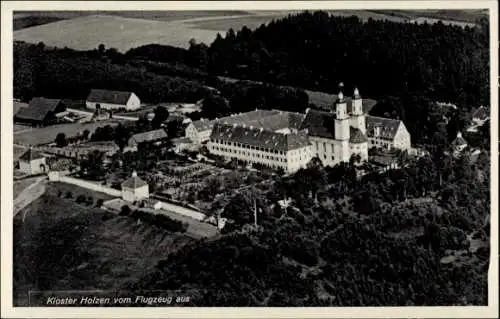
x=45 y=135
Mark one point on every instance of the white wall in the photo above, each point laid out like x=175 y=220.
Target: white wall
x=272 y=159
x=183 y=211
x=132 y=104
x=402 y=139
x=33 y=167
x=132 y=195
x=55 y=176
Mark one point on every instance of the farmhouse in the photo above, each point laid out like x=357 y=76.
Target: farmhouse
x=41 y=112
x=32 y=163
x=387 y=133
x=134 y=189
x=112 y=100
x=156 y=137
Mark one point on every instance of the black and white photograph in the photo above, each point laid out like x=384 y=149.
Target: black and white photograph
x=251 y=156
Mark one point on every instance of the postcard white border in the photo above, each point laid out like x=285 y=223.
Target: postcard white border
x=7 y=311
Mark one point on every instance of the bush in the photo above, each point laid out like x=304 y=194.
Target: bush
x=69 y=195
x=125 y=211
x=80 y=199
x=90 y=200
x=99 y=202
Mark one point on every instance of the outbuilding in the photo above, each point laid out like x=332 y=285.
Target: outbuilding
x=112 y=100
x=134 y=189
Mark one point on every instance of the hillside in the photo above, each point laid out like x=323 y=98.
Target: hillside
x=62 y=245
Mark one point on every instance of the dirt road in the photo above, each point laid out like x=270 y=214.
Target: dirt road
x=29 y=194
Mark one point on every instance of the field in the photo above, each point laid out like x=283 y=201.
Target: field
x=126 y=30
x=62 y=245
x=45 y=135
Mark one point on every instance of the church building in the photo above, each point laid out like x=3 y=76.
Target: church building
x=290 y=140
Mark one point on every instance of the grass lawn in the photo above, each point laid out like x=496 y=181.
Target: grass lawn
x=45 y=135
x=53 y=189
x=65 y=246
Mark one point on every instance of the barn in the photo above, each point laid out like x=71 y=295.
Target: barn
x=112 y=100
x=40 y=112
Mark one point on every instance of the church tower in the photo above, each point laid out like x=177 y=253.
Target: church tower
x=358 y=118
x=342 y=128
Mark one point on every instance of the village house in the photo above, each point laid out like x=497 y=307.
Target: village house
x=480 y=116
x=199 y=131
x=134 y=189
x=41 y=112
x=383 y=163
x=183 y=143
x=32 y=163
x=387 y=133
x=155 y=137
x=112 y=100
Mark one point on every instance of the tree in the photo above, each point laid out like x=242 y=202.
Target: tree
x=161 y=115
x=101 y=48
x=125 y=211
x=92 y=165
x=86 y=134
x=61 y=140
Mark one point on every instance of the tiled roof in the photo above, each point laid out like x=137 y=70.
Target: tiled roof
x=17 y=106
x=326 y=100
x=149 y=136
x=259 y=137
x=30 y=155
x=356 y=136
x=459 y=140
x=388 y=127
x=272 y=120
x=134 y=182
x=382 y=160
x=319 y=123
x=111 y=97
x=180 y=140
x=204 y=125
x=38 y=109
x=481 y=113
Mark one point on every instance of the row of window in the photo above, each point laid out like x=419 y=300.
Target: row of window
x=239 y=145
x=249 y=154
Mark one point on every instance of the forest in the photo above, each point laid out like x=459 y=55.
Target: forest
x=317 y=51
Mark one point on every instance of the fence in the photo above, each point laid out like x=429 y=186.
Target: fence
x=56 y=177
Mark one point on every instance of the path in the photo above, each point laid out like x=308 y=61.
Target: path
x=119 y=117
x=29 y=194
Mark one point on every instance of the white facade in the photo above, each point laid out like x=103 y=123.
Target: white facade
x=401 y=140
x=197 y=136
x=133 y=103
x=33 y=167
x=135 y=194
x=289 y=161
